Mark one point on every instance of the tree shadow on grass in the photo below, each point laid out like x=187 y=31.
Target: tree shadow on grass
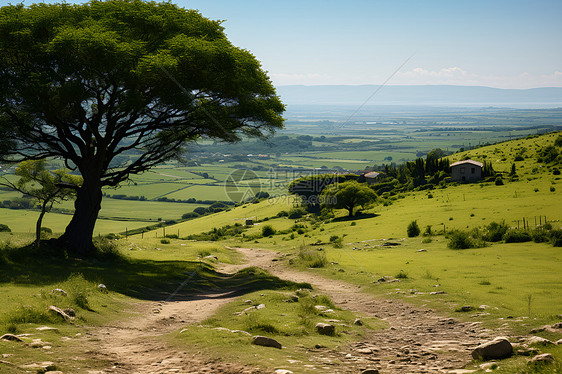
x=356 y=217
x=141 y=279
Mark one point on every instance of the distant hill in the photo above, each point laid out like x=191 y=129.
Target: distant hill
x=545 y=97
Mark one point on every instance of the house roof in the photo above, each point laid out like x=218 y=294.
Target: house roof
x=472 y=162
x=372 y=174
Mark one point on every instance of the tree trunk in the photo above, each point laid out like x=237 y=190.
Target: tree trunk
x=350 y=210
x=78 y=235
x=39 y=223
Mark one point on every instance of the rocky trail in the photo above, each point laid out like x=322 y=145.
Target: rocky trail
x=418 y=340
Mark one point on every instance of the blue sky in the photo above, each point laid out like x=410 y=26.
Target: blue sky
x=497 y=43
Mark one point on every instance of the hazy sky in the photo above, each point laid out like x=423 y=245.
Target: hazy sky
x=497 y=43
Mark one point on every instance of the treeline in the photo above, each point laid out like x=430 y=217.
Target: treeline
x=167 y=199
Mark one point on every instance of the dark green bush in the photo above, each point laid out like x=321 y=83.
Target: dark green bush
x=165 y=241
x=413 y=229
x=556 y=238
x=517 y=236
x=295 y=213
x=499 y=181
x=463 y=240
x=4 y=228
x=268 y=230
x=495 y=232
x=190 y=215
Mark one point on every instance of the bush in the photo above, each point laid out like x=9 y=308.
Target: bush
x=499 y=181
x=201 y=210
x=295 y=213
x=556 y=238
x=413 y=229
x=337 y=241
x=517 y=236
x=462 y=240
x=4 y=228
x=496 y=231
x=165 y=241
x=190 y=215
x=267 y=231
x=402 y=275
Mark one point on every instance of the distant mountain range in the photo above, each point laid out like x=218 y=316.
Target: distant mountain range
x=421 y=95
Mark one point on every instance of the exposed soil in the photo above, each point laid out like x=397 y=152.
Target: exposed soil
x=418 y=340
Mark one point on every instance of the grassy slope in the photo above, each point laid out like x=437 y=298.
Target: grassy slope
x=514 y=271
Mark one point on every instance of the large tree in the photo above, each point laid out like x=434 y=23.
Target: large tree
x=348 y=195
x=116 y=87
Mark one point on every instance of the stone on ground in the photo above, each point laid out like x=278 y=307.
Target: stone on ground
x=10 y=337
x=496 y=349
x=264 y=341
x=545 y=358
x=325 y=329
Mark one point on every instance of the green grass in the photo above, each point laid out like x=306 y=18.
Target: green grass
x=290 y=322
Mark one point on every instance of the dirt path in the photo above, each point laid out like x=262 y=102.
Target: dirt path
x=417 y=341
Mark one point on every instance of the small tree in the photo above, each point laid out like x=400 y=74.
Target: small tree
x=413 y=229
x=45 y=186
x=348 y=195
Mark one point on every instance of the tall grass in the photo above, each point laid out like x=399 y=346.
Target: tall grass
x=312 y=258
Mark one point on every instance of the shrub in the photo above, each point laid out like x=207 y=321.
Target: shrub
x=462 y=240
x=401 y=275
x=106 y=248
x=552 y=189
x=428 y=231
x=165 y=241
x=172 y=236
x=295 y=213
x=336 y=241
x=268 y=230
x=190 y=215
x=556 y=238
x=517 y=236
x=413 y=229
x=499 y=181
x=496 y=231
x=4 y=228
x=282 y=213
x=201 y=210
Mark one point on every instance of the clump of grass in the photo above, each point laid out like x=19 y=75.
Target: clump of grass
x=485 y=283
x=401 y=275
x=312 y=258
x=427 y=240
x=253 y=322
x=78 y=290
x=323 y=300
x=204 y=253
x=428 y=275
x=29 y=314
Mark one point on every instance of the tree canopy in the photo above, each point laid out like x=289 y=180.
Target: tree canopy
x=348 y=195
x=116 y=87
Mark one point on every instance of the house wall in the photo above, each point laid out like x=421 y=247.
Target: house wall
x=466 y=173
